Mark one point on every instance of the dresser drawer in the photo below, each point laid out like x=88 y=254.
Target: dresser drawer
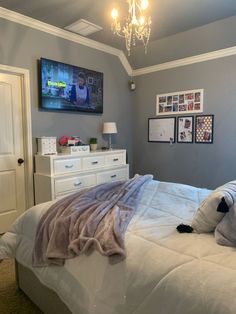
x=74 y=183
x=93 y=162
x=113 y=175
x=116 y=159
x=63 y=174
x=67 y=165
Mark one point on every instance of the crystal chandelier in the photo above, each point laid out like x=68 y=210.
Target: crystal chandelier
x=135 y=26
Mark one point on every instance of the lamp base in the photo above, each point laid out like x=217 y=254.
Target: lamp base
x=109 y=142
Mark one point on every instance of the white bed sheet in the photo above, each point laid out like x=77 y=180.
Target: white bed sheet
x=165 y=272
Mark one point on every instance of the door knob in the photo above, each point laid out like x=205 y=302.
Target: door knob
x=20 y=161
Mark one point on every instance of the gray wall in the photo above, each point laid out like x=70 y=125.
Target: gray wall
x=214 y=36
x=22 y=46
x=203 y=165
x=198 y=164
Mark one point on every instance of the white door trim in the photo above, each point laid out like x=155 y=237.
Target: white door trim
x=27 y=131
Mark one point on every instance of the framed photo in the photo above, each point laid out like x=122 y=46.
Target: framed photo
x=185 y=129
x=190 y=101
x=204 y=129
x=161 y=130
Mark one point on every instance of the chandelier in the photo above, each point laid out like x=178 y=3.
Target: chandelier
x=135 y=26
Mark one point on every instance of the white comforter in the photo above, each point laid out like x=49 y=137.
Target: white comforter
x=164 y=273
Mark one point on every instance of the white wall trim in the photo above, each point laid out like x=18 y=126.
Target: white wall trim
x=27 y=131
x=125 y=63
x=56 y=31
x=187 y=61
x=53 y=30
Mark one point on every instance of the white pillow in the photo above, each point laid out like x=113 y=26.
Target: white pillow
x=214 y=207
x=225 y=232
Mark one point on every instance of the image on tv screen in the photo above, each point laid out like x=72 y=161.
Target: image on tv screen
x=67 y=87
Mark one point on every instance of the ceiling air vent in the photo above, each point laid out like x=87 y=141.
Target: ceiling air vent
x=83 y=27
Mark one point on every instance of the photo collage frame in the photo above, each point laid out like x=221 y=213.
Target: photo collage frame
x=164 y=129
x=190 y=101
x=204 y=129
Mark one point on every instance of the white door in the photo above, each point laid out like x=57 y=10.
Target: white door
x=12 y=177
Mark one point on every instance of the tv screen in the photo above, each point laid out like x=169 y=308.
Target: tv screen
x=66 y=87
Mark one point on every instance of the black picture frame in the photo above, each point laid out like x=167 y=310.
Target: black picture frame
x=185 y=129
x=204 y=129
x=162 y=130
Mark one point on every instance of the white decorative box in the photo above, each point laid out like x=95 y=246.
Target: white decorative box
x=75 y=150
x=46 y=145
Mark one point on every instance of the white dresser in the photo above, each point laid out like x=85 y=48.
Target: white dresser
x=58 y=175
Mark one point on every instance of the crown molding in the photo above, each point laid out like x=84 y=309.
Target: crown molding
x=187 y=61
x=56 y=31
x=125 y=63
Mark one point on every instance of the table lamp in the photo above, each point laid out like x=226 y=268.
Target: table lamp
x=109 y=128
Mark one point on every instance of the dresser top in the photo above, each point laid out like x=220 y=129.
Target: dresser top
x=91 y=153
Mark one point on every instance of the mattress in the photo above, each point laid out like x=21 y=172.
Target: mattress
x=165 y=272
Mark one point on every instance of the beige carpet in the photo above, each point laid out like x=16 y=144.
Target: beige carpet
x=12 y=300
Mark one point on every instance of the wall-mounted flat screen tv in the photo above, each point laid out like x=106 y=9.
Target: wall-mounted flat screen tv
x=65 y=87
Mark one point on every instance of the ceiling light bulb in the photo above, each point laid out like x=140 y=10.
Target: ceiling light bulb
x=141 y=20
x=134 y=20
x=144 y=4
x=114 y=14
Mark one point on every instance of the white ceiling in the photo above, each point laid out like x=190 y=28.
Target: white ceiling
x=168 y=16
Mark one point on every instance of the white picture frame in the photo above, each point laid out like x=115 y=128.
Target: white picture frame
x=190 y=101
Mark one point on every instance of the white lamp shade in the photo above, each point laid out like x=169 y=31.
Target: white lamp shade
x=109 y=128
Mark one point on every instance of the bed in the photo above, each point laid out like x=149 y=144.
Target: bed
x=165 y=272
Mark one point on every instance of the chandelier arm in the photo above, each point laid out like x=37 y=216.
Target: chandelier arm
x=119 y=34
x=133 y=28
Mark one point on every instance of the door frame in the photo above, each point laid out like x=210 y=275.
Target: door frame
x=24 y=75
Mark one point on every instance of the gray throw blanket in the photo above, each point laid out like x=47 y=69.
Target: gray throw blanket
x=98 y=216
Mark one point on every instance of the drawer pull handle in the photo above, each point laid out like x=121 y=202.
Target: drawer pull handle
x=115 y=159
x=113 y=176
x=77 y=183
x=69 y=166
x=94 y=162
